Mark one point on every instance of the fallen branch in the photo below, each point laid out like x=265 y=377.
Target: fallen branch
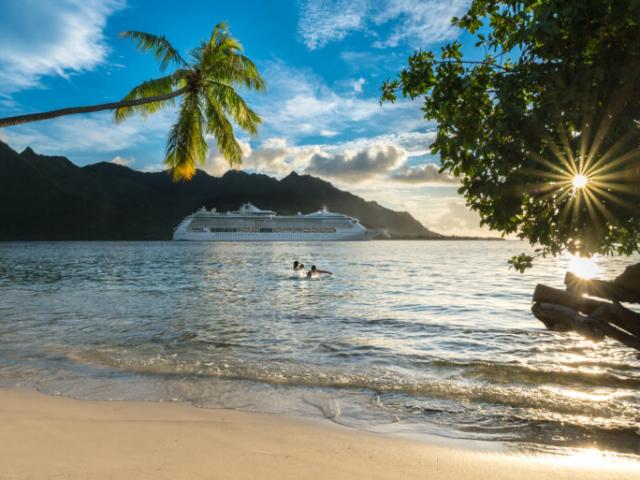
x=607 y=312
x=559 y=318
x=546 y=294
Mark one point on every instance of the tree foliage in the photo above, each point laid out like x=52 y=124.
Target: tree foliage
x=555 y=97
x=210 y=102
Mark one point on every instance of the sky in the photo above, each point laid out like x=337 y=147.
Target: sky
x=323 y=62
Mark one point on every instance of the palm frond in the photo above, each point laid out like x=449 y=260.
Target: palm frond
x=164 y=52
x=220 y=127
x=231 y=69
x=219 y=30
x=186 y=146
x=150 y=88
x=247 y=73
x=222 y=59
x=234 y=105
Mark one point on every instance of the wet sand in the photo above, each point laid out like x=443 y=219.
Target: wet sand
x=55 y=437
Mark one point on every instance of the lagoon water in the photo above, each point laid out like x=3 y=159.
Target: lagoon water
x=410 y=338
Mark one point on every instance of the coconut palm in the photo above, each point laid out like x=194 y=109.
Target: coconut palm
x=209 y=104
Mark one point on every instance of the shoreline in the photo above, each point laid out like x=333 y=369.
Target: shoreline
x=46 y=436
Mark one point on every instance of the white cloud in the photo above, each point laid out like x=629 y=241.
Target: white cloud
x=415 y=22
x=328 y=133
x=415 y=143
x=317 y=28
x=276 y=156
x=420 y=22
x=154 y=167
x=89 y=136
x=357 y=85
x=122 y=161
x=358 y=166
x=299 y=105
x=51 y=38
x=460 y=220
x=422 y=174
x=273 y=157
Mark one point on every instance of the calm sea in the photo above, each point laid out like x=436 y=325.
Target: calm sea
x=414 y=338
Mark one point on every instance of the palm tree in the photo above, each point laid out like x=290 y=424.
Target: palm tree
x=209 y=101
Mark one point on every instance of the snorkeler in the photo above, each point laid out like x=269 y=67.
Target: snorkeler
x=314 y=272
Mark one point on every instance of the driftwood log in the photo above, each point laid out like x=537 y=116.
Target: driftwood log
x=571 y=310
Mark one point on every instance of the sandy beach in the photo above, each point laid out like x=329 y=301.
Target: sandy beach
x=56 y=437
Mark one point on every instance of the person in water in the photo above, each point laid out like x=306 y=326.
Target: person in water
x=314 y=272
x=298 y=268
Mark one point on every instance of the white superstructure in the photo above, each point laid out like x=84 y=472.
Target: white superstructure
x=252 y=224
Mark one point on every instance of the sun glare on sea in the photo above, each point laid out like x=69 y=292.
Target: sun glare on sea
x=592 y=458
x=583 y=267
x=579 y=181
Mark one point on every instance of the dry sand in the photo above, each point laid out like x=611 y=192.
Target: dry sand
x=45 y=437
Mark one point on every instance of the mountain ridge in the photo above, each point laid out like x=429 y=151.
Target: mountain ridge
x=50 y=198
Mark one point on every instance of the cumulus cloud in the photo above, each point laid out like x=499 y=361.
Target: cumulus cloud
x=422 y=174
x=51 y=38
x=415 y=22
x=357 y=85
x=274 y=156
x=122 y=161
x=359 y=166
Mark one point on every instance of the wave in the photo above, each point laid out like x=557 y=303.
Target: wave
x=546 y=395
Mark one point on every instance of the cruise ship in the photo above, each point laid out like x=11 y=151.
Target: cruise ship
x=249 y=223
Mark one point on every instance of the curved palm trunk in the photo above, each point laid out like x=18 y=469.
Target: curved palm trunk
x=34 y=117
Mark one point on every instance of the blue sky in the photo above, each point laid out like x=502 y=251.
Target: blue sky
x=323 y=62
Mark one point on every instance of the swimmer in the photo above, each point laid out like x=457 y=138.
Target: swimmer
x=314 y=272
x=298 y=268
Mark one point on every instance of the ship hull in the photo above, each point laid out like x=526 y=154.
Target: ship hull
x=271 y=237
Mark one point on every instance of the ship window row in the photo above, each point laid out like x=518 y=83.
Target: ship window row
x=265 y=230
x=201 y=224
x=280 y=220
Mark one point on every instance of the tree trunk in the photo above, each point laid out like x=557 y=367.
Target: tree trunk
x=34 y=117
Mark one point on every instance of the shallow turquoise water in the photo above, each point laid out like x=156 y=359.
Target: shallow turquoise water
x=406 y=337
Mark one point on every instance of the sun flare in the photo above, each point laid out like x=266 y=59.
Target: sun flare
x=583 y=267
x=579 y=181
